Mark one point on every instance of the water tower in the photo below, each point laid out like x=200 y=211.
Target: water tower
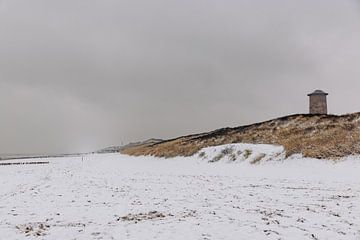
x=318 y=102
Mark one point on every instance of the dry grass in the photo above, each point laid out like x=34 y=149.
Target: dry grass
x=247 y=153
x=258 y=158
x=318 y=136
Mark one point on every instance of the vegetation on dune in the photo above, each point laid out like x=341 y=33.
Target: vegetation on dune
x=317 y=136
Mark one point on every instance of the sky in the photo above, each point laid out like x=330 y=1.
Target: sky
x=79 y=75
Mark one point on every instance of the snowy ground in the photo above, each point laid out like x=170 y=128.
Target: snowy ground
x=112 y=196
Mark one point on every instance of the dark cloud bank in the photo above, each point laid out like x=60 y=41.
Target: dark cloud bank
x=77 y=75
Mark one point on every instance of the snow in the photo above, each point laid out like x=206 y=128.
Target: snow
x=250 y=153
x=113 y=196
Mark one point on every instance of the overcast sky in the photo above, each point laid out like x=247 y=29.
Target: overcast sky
x=78 y=75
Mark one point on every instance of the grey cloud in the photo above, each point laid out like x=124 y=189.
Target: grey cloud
x=95 y=73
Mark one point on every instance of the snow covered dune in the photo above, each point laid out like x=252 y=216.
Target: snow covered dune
x=112 y=196
x=250 y=153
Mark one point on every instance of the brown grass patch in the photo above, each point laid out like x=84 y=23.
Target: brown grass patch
x=317 y=136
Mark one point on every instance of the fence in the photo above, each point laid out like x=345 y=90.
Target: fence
x=22 y=163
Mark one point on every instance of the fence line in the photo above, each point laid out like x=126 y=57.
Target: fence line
x=22 y=163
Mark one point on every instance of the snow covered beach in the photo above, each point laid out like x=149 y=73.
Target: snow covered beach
x=112 y=196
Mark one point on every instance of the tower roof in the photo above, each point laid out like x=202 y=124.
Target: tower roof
x=318 y=92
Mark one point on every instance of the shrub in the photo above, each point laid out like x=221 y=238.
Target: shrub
x=217 y=157
x=247 y=153
x=227 y=151
x=232 y=157
x=202 y=155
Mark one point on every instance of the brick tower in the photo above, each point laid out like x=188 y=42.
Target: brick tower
x=318 y=102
